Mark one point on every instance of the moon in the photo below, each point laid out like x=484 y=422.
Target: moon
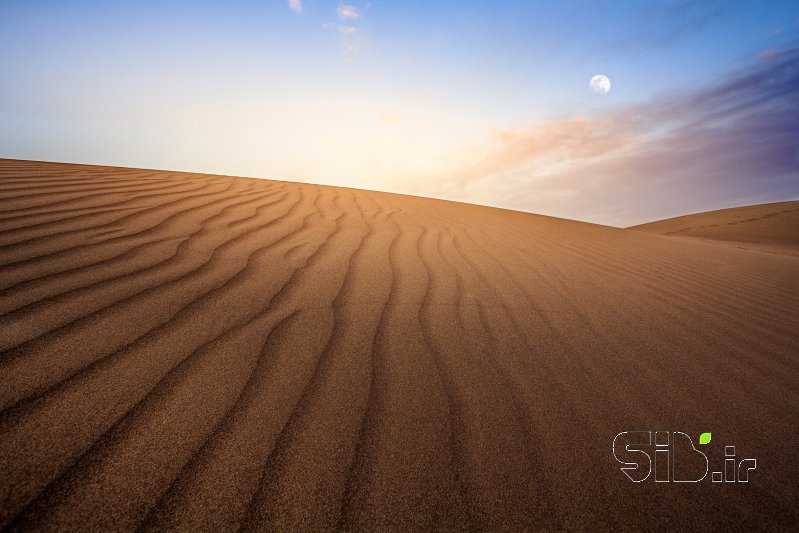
x=599 y=84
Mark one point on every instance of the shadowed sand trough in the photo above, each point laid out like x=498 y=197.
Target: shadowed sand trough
x=186 y=351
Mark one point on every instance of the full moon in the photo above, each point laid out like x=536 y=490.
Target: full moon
x=599 y=84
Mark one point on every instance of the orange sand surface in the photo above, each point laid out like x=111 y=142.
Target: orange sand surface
x=198 y=352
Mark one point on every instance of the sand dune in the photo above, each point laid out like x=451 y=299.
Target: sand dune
x=766 y=227
x=197 y=352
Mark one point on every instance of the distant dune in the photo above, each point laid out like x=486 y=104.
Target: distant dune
x=195 y=352
x=766 y=226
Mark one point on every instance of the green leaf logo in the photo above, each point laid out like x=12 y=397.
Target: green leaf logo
x=704 y=438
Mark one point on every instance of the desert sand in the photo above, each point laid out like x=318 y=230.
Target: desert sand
x=762 y=227
x=196 y=352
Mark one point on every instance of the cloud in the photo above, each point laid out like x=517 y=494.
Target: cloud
x=732 y=143
x=353 y=39
x=769 y=53
x=347 y=12
x=295 y=5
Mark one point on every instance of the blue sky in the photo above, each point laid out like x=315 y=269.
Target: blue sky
x=485 y=102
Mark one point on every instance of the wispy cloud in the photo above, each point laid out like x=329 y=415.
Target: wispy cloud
x=729 y=144
x=353 y=40
x=295 y=5
x=347 y=12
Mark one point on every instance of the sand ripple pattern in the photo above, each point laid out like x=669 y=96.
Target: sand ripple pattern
x=209 y=353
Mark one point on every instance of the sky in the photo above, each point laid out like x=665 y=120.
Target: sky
x=485 y=102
